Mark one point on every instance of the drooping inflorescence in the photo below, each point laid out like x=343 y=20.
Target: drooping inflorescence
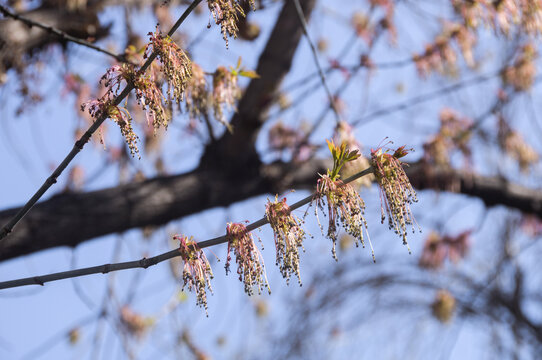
x=345 y=207
x=176 y=65
x=289 y=236
x=396 y=192
x=120 y=115
x=250 y=265
x=226 y=14
x=197 y=273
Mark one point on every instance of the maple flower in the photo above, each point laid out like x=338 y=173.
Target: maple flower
x=345 y=207
x=289 y=236
x=438 y=247
x=119 y=115
x=521 y=74
x=396 y=192
x=513 y=143
x=225 y=13
x=225 y=93
x=250 y=265
x=134 y=323
x=176 y=65
x=197 y=273
x=443 y=306
x=197 y=96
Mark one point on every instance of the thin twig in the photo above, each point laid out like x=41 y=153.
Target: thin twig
x=315 y=56
x=147 y=262
x=79 y=144
x=59 y=33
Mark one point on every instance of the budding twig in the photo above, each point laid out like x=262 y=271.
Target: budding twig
x=147 y=262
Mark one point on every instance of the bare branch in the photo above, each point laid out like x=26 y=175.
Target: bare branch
x=79 y=144
x=59 y=33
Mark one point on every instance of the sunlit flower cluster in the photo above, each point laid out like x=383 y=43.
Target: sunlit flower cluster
x=440 y=56
x=501 y=15
x=444 y=306
x=250 y=265
x=521 y=74
x=197 y=273
x=437 y=248
x=289 y=236
x=396 y=192
x=513 y=144
x=225 y=93
x=197 y=95
x=282 y=137
x=225 y=14
x=454 y=134
x=176 y=65
x=121 y=116
x=133 y=322
x=345 y=208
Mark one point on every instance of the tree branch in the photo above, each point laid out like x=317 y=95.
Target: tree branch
x=58 y=33
x=69 y=219
x=237 y=149
x=79 y=144
x=144 y=262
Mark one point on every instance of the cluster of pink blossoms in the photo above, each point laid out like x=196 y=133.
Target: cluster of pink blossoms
x=438 y=248
x=454 y=134
x=345 y=207
x=396 y=192
x=197 y=273
x=289 y=236
x=176 y=65
x=250 y=265
x=177 y=69
x=440 y=56
x=226 y=14
x=501 y=15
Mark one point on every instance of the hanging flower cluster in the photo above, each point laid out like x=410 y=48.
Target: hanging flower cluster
x=226 y=92
x=396 y=192
x=513 y=144
x=197 y=96
x=120 y=115
x=440 y=55
x=501 y=15
x=289 y=236
x=345 y=207
x=521 y=74
x=454 y=134
x=135 y=324
x=176 y=65
x=439 y=247
x=226 y=14
x=197 y=273
x=443 y=306
x=148 y=94
x=250 y=266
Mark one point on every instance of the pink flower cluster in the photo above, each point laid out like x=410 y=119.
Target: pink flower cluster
x=440 y=55
x=439 y=247
x=250 y=265
x=454 y=134
x=225 y=13
x=345 y=208
x=289 y=236
x=176 y=65
x=197 y=273
x=396 y=192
